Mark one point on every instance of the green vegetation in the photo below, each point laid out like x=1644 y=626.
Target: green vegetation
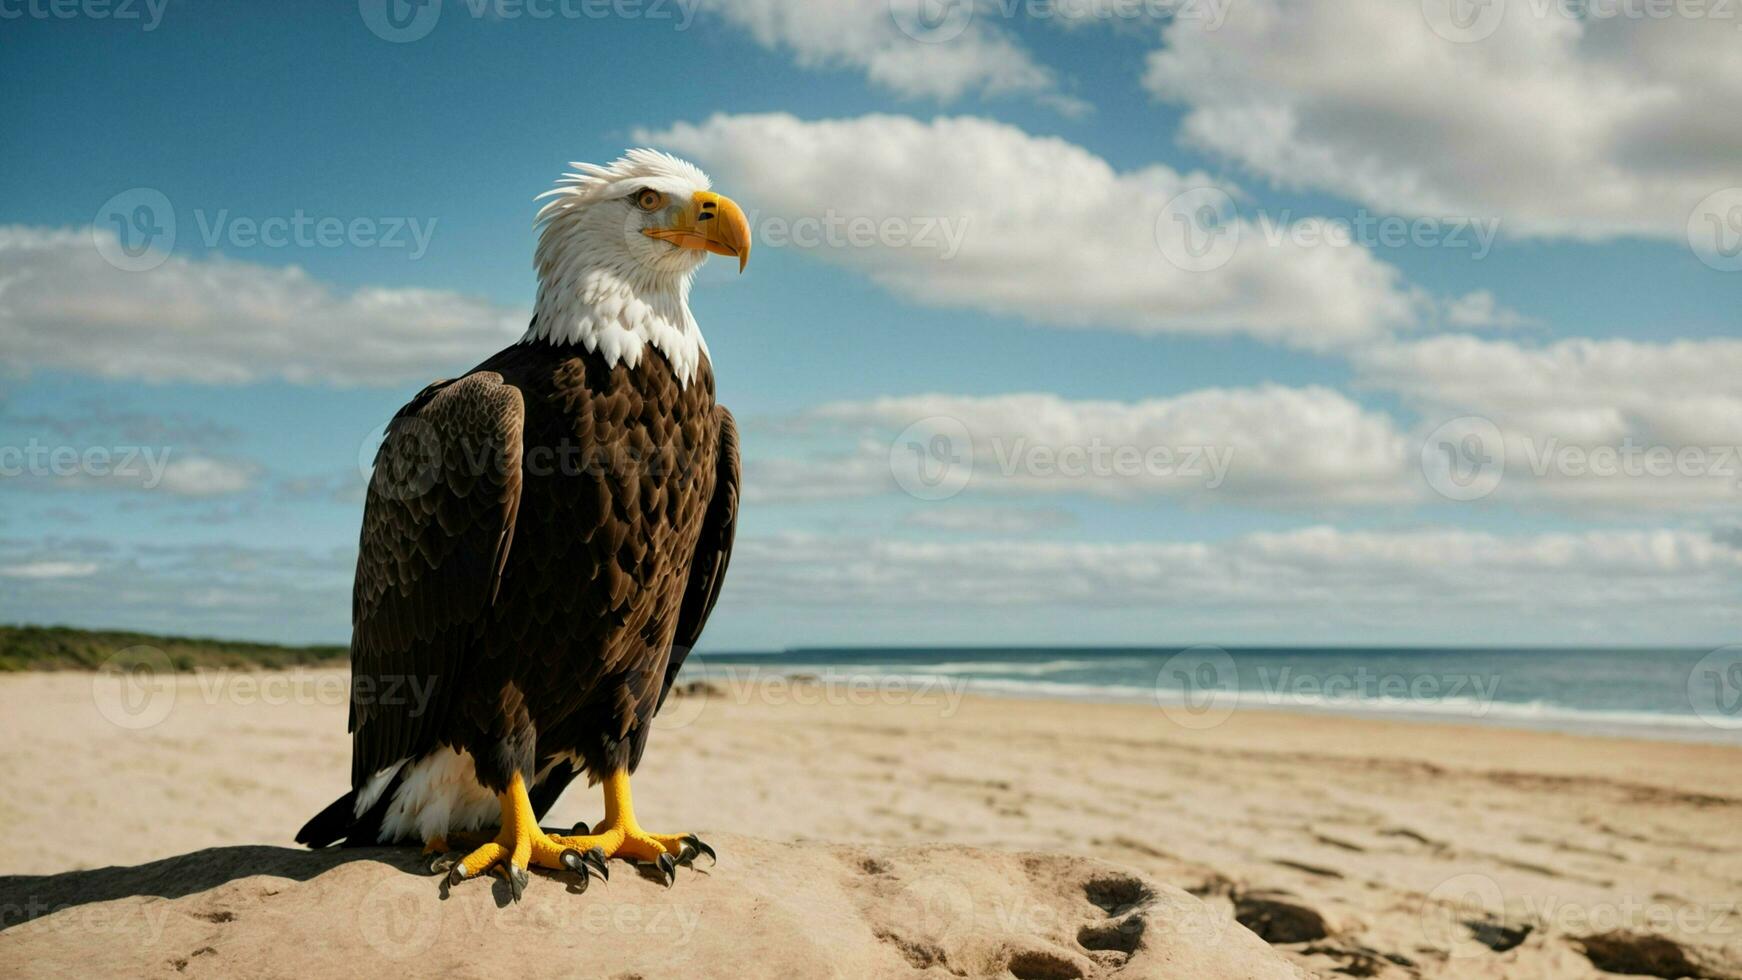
x=62 y=648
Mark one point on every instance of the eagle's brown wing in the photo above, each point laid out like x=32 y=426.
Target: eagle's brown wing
x=713 y=552
x=436 y=531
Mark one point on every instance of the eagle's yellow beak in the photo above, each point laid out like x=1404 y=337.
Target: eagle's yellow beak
x=713 y=222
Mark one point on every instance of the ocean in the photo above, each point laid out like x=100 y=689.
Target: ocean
x=1677 y=694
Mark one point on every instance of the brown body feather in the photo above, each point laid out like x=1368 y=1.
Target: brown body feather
x=543 y=541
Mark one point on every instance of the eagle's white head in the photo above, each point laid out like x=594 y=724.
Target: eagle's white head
x=618 y=248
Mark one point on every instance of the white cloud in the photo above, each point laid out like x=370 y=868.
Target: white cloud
x=204 y=476
x=862 y=471
x=990 y=520
x=50 y=569
x=173 y=586
x=103 y=444
x=866 y=35
x=1048 y=231
x=1685 y=391
x=1676 y=407
x=1617 y=427
x=48 y=467
x=1271 y=445
x=1479 y=309
x=1600 y=583
x=219 y=321
x=1559 y=126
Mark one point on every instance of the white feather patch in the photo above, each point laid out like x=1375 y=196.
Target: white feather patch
x=440 y=794
x=604 y=285
x=372 y=789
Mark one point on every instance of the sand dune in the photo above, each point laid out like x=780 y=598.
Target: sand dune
x=769 y=910
x=1347 y=847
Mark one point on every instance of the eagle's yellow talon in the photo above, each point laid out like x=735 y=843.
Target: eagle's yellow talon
x=521 y=844
x=620 y=836
x=479 y=861
x=634 y=845
x=518 y=846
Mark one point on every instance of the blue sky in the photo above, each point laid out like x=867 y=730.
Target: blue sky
x=1601 y=324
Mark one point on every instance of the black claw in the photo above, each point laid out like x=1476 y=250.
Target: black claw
x=571 y=860
x=595 y=858
x=668 y=868
x=457 y=874
x=693 y=844
x=580 y=829
x=444 y=862
x=588 y=864
x=517 y=880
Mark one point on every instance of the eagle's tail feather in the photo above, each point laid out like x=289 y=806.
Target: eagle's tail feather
x=341 y=822
x=330 y=824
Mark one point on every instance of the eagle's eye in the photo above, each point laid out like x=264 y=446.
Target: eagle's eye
x=648 y=199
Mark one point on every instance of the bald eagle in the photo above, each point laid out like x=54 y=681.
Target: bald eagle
x=543 y=541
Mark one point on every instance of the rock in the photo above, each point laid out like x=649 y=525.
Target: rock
x=1278 y=917
x=1647 y=954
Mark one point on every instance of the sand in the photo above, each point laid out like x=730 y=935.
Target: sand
x=773 y=910
x=887 y=833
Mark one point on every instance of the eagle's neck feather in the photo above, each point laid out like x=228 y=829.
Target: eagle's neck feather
x=616 y=313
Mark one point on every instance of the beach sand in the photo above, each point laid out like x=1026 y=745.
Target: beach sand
x=1351 y=847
